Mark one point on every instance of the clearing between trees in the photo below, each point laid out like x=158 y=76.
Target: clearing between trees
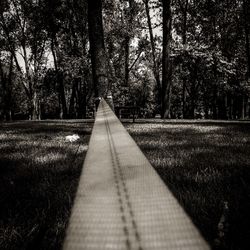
x=205 y=164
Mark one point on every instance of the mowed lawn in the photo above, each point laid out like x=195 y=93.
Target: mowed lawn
x=205 y=164
x=39 y=172
x=207 y=167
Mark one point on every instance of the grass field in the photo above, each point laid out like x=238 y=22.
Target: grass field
x=207 y=167
x=39 y=171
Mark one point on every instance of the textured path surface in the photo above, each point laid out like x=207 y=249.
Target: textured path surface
x=121 y=202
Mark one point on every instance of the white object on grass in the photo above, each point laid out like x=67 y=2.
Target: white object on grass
x=72 y=138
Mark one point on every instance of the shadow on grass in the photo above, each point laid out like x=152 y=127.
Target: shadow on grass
x=39 y=172
x=205 y=166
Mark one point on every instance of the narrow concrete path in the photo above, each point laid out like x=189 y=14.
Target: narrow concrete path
x=121 y=202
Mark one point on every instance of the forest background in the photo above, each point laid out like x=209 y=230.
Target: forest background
x=45 y=62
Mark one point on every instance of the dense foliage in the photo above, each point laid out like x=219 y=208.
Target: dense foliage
x=45 y=67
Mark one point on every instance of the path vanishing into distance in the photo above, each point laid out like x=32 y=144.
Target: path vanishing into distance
x=121 y=202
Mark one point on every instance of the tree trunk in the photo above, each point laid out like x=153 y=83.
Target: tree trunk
x=184 y=41
x=3 y=81
x=243 y=108
x=34 y=101
x=184 y=29
x=60 y=82
x=166 y=64
x=126 y=59
x=246 y=28
x=230 y=107
x=34 y=106
x=72 y=103
x=226 y=103
x=97 y=49
x=6 y=82
x=62 y=96
x=184 y=83
x=247 y=45
x=152 y=42
x=129 y=24
x=81 y=99
x=215 y=98
x=9 y=91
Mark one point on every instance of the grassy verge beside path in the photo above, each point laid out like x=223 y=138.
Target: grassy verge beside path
x=39 y=171
x=207 y=167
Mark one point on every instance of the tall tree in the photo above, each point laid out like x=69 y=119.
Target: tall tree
x=53 y=27
x=6 y=75
x=246 y=21
x=129 y=17
x=67 y=35
x=156 y=70
x=28 y=38
x=166 y=64
x=184 y=11
x=97 y=49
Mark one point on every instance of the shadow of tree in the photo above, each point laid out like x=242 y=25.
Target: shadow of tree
x=204 y=165
x=39 y=172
